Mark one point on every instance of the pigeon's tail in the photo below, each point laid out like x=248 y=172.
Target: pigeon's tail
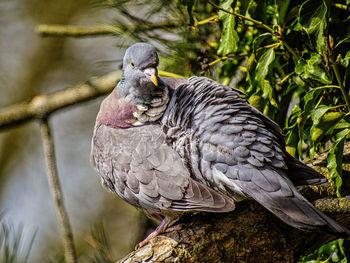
x=300 y=213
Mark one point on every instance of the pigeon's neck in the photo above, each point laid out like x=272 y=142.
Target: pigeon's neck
x=154 y=110
x=150 y=101
x=116 y=112
x=134 y=91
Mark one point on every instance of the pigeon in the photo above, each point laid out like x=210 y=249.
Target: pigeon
x=170 y=146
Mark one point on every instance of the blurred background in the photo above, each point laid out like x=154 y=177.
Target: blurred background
x=30 y=65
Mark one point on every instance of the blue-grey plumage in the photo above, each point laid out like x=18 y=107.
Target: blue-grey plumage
x=170 y=146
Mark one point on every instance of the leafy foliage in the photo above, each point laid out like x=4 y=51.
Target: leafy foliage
x=331 y=252
x=229 y=38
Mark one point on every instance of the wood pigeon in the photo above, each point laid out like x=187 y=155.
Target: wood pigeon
x=170 y=146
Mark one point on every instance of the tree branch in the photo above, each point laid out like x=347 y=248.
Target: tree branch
x=52 y=175
x=103 y=30
x=43 y=105
x=75 y=31
x=334 y=205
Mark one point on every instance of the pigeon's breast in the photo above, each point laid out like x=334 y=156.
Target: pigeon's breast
x=117 y=155
x=116 y=112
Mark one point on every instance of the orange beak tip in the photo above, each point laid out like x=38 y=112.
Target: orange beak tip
x=154 y=80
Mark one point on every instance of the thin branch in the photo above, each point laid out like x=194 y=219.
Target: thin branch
x=43 y=105
x=51 y=170
x=337 y=73
x=255 y=22
x=74 y=31
x=164 y=73
x=103 y=30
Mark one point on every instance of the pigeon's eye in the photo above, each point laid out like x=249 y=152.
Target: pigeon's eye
x=132 y=64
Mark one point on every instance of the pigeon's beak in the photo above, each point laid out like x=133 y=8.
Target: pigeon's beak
x=151 y=73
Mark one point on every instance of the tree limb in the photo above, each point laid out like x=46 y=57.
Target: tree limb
x=43 y=105
x=103 y=30
x=52 y=175
x=334 y=205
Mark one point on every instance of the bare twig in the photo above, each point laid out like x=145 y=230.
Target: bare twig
x=53 y=179
x=43 y=105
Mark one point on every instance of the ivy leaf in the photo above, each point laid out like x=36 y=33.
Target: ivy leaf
x=229 y=37
x=335 y=159
x=262 y=69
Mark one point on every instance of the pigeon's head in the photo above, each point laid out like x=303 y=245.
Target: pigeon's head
x=140 y=73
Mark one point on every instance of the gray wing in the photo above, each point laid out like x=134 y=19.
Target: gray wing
x=137 y=165
x=236 y=151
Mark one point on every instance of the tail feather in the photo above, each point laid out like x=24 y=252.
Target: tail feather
x=300 y=213
x=301 y=174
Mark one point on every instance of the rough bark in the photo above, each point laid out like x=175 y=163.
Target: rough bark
x=248 y=234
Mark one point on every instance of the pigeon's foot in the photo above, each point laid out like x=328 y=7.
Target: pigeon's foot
x=162 y=228
x=177 y=227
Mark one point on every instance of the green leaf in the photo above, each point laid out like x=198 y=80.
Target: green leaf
x=282 y=10
x=342 y=124
x=330 y=252
x=317 y=114
x=326 y=125
x=310 y=100
x=310 y=69
x=262 y=69
x=229 y=37
x=347 y=56
x=345 y=61
x=292 y=138
x=312 y=17
x=335 y=159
